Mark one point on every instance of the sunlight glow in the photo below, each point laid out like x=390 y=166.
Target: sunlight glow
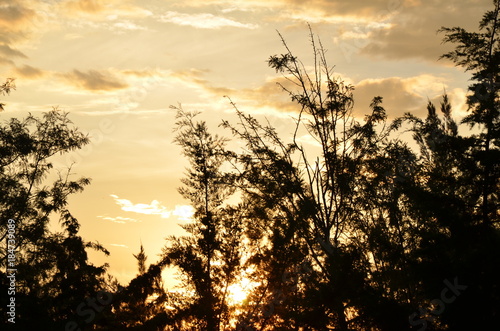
x=237 y=294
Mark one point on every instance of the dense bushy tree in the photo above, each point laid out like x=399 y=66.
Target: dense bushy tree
x=141 y=305
x=456 y=200
x=479 y=52
x=53 y=274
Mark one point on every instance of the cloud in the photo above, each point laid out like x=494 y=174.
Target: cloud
x=118 y=27
x=314 y=11
x=93 y=80
x=320 y=7
x=119 y=245
x=13 y=14
x=109 y=80
x=145 y=73
x=388 y=29
x=27 y=71
x=400 y=95
x=104 y=9
x=183 y=212
x=267 y=95
x=127 y=26
x=119 y=219
x=413 y=33
x=88 y=6
x=19 y=21
x=9 y=52
x=195 y=78
x=203 y=21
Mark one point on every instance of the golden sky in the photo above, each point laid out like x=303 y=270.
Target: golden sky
x=117 y=65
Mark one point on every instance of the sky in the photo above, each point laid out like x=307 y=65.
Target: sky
x=118 y=65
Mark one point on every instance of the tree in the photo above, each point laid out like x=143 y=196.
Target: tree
x=313 y=207
x=141 y=260
x=455 y=201
x=5 y=88
x=53 y=274
x=208 y=257
x=479 y=52
x=141 y=305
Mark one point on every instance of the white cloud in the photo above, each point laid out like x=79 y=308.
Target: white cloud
x=119 y=245
x=127 y=26
x=203 y=21
x=183 y=212
x=118 y=219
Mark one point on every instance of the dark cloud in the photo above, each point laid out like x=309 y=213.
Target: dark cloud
x=13 y=13
x=400 y=94
x=269 y=94
x=94 y=80
x=413 y=33
x=398 y=97
x=27 y=71
x=10 y=52
x=7 y=53
x=5 y=61
x=15 y=20
x=360 y=8
x=390 y=29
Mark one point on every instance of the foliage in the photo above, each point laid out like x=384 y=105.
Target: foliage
x=361 y=231
x=53 y=274
x=208 y=257
x=5 y=88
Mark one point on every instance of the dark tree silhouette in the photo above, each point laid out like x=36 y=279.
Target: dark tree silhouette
x=311 y=210
x=5 y=88
x=141 y=260
x=141 y=305
x=479 y=52
x=361 y=232
x=53 y=272
x=455 y=199
x=208 y=258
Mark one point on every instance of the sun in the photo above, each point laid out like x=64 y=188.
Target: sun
x=237 y=293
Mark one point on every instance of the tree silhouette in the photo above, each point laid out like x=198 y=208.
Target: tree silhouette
x=141 y=260
x=5 y=88
x=360 y=232
x=312 y=209
x=141 y=304
x=456 y=199
x=53 y=272
x=479 y=52
x=208 y=257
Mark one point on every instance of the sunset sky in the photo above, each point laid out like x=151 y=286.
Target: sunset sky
x=116 y=66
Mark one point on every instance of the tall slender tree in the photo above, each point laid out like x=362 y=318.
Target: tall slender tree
x=208 y=257
x=479 y=52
